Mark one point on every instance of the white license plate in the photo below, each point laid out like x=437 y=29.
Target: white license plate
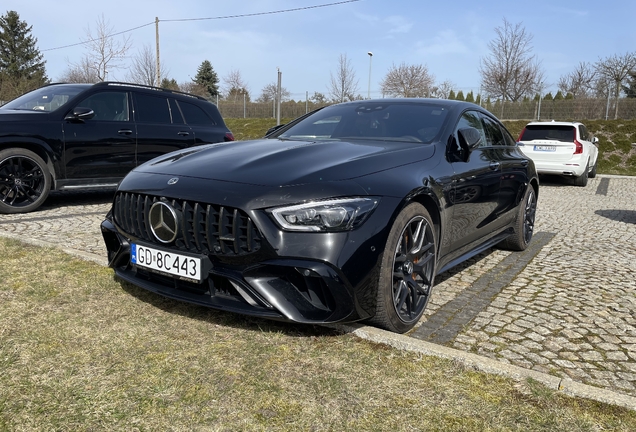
x=166 y=262
x=545 y=148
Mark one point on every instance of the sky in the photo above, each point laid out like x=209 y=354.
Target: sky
x=448 y=37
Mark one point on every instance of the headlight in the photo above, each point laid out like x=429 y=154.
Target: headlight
x=330 y=215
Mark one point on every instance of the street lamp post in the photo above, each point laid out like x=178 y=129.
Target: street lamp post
x=369 y=91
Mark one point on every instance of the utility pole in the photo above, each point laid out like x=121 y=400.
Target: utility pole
x=278 y=96
x=157 y=39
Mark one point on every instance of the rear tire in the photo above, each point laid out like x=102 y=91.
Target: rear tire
x=582 y=179
x=592 y=172
x=524 y=226
x=407 y=271
x=25 y=181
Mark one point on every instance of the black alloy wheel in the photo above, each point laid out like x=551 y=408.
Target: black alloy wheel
x=24 y=181
x=408 y=271
x=524 y=227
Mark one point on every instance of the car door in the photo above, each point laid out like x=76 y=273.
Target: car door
x=160 y=126
x=475 y=187
x=104 y=145
x=204 y=128
x=513 y=168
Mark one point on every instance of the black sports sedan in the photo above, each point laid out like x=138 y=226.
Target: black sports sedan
x=345 y=214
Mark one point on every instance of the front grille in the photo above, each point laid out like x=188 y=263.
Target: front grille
x=205 y=228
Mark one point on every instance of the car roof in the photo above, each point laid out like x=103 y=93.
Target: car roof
x=554 y=123
x=142 y=87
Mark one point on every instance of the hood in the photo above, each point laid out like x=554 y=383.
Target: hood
x=273 y=162
x=21 y=115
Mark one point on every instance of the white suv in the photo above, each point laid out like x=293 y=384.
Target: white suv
x=562 y=148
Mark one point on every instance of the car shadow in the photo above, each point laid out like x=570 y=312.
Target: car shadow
x=223 y=318
x=627 y=216
x=555 y=180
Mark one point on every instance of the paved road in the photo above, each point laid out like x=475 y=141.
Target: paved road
x=566 y=306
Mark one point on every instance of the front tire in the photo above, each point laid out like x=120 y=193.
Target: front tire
x=407 y=271
x=25 y=181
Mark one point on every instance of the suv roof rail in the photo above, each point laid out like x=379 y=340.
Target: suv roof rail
x=144 y=86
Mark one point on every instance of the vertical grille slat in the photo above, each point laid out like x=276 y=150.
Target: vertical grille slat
x=206 y=228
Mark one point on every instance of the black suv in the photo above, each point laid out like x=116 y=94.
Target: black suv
x=68 y=136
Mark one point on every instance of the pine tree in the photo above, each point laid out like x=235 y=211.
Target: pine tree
x=558 y=95
x=451 y=95
x=21 y=63
x=630 y=89
x=207 y=78
x=470 y=97
x=460 y=96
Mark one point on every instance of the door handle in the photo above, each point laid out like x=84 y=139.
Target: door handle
x=494 y=166
x=124 y=132
x=525 y=162
x=184 y=133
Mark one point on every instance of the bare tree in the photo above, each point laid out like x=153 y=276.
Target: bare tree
x=616 y=68
x=81 y=72
x=344 y=85
x=234 y=87
x=510 y=71
x=104 y=52
x=579 y=82
x=144 y=68
x=408 y=81
x=442 y=90
x=268 y=94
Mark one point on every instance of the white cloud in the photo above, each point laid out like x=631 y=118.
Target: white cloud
x=445 y=42
x=398 y=24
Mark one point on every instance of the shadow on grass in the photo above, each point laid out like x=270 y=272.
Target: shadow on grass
x=224 y=318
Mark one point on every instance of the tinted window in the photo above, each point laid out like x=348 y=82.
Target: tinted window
x=471 y=119
x=583 y=133
x=47 y=98
x=548 y=132
x=494 y=136
x=390 y=121
x=108 y=106
x=175 y=112
x=152 y=109
x=194 y=115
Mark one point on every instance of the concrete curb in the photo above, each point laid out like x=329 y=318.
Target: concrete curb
x=87 y=256
x=406 y=343
x=488 y=365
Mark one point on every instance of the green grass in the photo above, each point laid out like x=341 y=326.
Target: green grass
x=81 y=351
x=616 y=154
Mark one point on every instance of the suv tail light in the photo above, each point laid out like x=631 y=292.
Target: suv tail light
x=579 y=147
x=228 y=136
x=521 y=134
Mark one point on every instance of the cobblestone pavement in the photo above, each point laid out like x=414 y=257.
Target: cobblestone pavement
x=566 y=306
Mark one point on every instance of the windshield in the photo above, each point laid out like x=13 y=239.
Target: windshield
x=378 y=120
x=45 y=99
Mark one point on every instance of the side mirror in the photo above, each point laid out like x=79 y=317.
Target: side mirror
x=595 y=141
x=468 y=137
x=80 y=113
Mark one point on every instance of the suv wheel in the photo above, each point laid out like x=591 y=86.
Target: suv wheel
x=582 y=179
x=24 y=181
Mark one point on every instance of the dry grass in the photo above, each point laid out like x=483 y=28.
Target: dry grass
x=81 y=351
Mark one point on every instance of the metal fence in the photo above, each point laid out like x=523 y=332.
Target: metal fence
x=564 y=109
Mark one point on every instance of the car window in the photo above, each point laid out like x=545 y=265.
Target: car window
x=175 y=112
x=388 y=121
x=152 y=109
x=583 y=133
x=508 y=139
x=494 y=136
x=548 y=132
x=48 y=98
x=108 y=106
x=194 y=115
x=471 y=119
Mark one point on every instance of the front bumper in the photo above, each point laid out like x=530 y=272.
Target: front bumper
x=297 y=289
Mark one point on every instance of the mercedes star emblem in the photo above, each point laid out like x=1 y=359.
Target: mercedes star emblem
x=173 y=180
x=164 y=222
